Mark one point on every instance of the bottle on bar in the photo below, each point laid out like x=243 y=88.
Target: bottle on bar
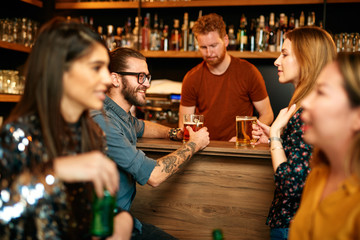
x=155 y=36
x=175 y=38
x=302 y=19
x=232 y=38
x=291 y=22
x=185 y=33
x=118 y=37
x=127 y=35
x=242 y=34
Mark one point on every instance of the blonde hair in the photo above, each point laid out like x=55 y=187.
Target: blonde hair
x=313 y=48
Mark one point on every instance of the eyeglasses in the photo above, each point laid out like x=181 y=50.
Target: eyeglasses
x=141 y=76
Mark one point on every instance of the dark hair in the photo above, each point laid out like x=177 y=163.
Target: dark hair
x=119 y=56
x=210 y=23
x=60 y=42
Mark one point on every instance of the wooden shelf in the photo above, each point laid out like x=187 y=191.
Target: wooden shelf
x=9 y=97
x=34 y=2
x=194 y=3
x=196 y=54
x=14 y=46
x=97 y=5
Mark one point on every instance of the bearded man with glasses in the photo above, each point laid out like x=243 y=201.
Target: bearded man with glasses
x=130 y=80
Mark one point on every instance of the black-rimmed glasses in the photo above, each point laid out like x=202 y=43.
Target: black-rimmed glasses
x=141 y=76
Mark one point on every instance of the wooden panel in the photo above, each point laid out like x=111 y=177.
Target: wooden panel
x=230 y=193
x=96 y=5
x=37 y=3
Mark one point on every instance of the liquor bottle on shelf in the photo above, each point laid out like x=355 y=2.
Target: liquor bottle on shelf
x=145 y=35
x=127 y=35
x=165 y=39
x=291 y=22
x=118 y=37
x=155 y=36
x=110 y=37
x=280 y=34
x=242 y=34
x=136 y=35
x=232 y=38
x=302 y=19
x=252 y=35
x=272 y=33
x=260 y=34
x=175 y=36
x=191 y=44
x=185 y=33
x=101 y=33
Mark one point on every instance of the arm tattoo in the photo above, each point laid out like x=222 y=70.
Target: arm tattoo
x=175 y=161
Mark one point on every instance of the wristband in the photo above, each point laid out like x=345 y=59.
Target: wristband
x=274 y=139
x=173 y=133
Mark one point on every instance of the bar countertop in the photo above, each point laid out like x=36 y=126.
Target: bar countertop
x=216 y=148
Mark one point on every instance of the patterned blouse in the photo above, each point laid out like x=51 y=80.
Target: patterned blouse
x=33 y=204
x=290 y=176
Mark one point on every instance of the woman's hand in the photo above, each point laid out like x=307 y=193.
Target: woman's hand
x=93 y=166
x=281 y=121
x=261 y=132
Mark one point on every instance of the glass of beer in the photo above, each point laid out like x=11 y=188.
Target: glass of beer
x=244 y=129
x=194 y=121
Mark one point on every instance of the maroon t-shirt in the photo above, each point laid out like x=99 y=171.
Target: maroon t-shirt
x=220 y=98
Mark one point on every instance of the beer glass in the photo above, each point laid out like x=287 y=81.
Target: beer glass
x=194 y=121
x=244 y=129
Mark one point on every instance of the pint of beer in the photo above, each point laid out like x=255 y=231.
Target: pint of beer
x=243 y=130
x=194 y=121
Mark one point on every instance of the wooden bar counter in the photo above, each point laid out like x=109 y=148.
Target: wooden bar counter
x=221 y=187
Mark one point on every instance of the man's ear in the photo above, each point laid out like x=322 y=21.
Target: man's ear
x=115 y=80
x=226 y=40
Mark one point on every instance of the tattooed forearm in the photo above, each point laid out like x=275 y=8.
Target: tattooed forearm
x=175 y=161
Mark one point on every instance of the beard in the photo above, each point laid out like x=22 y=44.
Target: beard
x=130 y=94
x=217 y=60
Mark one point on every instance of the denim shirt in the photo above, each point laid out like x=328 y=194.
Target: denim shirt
x=122 y=131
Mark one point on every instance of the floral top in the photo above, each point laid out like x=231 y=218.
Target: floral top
x=33 y=204
x=290 y=176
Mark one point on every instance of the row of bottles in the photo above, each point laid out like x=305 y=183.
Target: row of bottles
x=260 y=34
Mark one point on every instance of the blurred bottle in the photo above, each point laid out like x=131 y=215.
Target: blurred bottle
x=175 y=38
x=155 y=36
x=242 y=34
x=136 y=35
x=232 y=38
x=302 y=19
x=280 y=34
x=272 y=33
x=118 y=37
x=103 y=215
x=165 y=39
x=217 y=234
x=110 y=41
x=145 y=34
x=191 y=37
x=185 y=33
x=252 y=35
x=127 y=38
x=260 y=34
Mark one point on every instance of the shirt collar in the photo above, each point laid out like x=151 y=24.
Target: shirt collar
x=109 y=104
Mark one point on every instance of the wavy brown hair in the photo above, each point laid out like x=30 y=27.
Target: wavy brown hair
x=60 y=42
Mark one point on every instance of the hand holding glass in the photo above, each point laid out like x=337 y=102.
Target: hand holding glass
x=195 y=121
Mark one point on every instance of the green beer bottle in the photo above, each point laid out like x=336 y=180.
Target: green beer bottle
x=103 y=215
x=217 y=234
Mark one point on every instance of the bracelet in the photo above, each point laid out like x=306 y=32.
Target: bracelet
x=274 y=139
x=274 y=148
x=173 y=133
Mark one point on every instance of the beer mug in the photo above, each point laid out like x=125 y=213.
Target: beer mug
x=244 y=129
x=194 y=121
